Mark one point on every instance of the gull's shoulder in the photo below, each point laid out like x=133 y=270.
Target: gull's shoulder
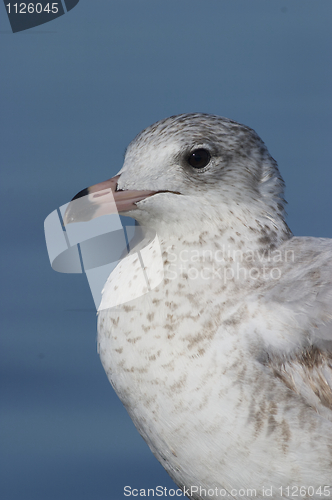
x=291 y=327
x=305 y=285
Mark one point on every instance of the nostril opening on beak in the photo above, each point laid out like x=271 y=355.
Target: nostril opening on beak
x=84 y=192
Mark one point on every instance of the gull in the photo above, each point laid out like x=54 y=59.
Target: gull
x=225 y=366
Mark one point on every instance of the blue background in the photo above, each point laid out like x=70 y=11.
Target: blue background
x=74 y=93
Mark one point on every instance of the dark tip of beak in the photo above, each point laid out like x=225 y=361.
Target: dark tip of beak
x=84 y=192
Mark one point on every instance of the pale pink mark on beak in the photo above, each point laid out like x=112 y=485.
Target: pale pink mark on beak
x=102 y=199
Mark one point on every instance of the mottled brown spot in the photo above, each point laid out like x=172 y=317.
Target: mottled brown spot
x=286 y=435
x=177 y=386
x=264 y=240
x=194 y=340
x=134 y=340
x=128 y=308
x=169 y=366
x=142 y=370
x=150 y=316
x=256 y=417
x=271 y=425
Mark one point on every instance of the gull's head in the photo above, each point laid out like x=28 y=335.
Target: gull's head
x=193 y=171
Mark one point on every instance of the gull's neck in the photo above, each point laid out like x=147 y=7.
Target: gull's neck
x=236 y=230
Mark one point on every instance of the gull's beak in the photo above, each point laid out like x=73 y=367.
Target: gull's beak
x=102 y=199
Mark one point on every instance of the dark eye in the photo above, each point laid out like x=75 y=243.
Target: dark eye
x=199 y=158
